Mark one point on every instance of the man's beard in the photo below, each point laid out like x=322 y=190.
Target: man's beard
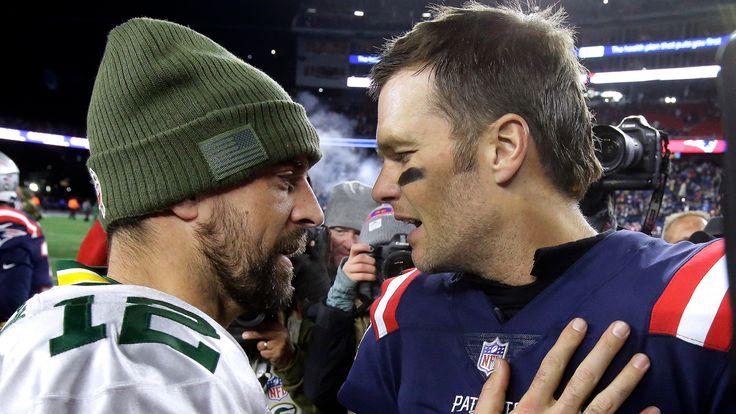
x=250 y=274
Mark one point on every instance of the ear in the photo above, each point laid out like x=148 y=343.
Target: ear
x=187 y=210
x=510 y=134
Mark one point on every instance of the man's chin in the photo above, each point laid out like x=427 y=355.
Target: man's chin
x=424 y=261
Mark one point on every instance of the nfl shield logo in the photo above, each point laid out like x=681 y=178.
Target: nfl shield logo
x=275 y=390
x=490 y=352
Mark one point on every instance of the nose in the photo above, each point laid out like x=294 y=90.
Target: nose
x=307 y=211
x=386 y=189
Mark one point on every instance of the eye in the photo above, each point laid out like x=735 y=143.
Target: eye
x=402 y=157
x=288 y=180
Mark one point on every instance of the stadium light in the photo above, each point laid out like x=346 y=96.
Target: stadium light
x=628 y=76
x=33 y=187
x=587 y=52
x=359 y=82
x=615 y=96
x=645 y=75
x=273 y=51
x=426 y=15
x=359 y=13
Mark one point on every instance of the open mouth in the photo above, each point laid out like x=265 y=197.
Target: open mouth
x=409 y=220
x=290 y=252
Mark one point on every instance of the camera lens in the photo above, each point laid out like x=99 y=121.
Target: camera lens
x=616 y=150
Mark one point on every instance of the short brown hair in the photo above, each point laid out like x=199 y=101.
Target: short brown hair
x=489 y=61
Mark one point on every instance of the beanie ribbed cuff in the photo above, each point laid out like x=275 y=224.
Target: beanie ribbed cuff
x=174 y=115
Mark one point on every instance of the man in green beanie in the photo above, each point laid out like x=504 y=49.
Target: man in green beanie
x=200 y=166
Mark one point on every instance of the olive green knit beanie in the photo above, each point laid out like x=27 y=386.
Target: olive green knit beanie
x=173 y=115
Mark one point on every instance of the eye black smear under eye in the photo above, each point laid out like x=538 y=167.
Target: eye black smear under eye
x=411 y=175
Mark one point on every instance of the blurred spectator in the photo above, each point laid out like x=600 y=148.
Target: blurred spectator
x=29 y=203
x=23 y=252
x=680 y=226
x=694 y=184
x=86 y=209
x=73 y=206
x=715 y=228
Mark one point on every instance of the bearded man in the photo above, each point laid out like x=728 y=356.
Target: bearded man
x=200 y=166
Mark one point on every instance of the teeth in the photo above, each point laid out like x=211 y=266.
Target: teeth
x=410 y=221
x=414 y=222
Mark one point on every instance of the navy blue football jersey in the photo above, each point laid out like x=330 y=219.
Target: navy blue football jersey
x=24 y=266
x=434 y=338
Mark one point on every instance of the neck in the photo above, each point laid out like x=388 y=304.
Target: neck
x=529 y=228
x=172 y=268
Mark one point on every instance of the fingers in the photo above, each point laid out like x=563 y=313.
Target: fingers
x=252 y=335
x=360 y=272
x=591 y=370
x=540 y=396
x=611 y=398
x=548 y=377
x=278 y=334
x=273 y=345
x=358 y=248
x=492 y=398
x=360 y=267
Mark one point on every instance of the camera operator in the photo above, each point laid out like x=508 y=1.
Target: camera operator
x=348 y=205
x=382 y=252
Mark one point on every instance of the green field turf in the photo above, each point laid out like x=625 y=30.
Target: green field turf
x=63 y=236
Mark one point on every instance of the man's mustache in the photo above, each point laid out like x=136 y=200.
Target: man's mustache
x=294 y=243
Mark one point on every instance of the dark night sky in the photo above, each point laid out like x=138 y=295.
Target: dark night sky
x=51 y=53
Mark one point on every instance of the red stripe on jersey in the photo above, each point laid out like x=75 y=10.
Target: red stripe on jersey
x=389 y=314
x=407 y=271
x=384 y=285
x=670 y=306
x=719 y=334
x=30 y=228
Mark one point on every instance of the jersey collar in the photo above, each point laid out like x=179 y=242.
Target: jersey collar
x=70 y=272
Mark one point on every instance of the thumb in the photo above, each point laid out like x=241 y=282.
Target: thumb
x=492 y=398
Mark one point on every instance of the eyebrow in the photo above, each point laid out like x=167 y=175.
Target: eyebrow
x=388 y=144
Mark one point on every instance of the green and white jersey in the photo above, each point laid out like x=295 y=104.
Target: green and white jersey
x=112 y=348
